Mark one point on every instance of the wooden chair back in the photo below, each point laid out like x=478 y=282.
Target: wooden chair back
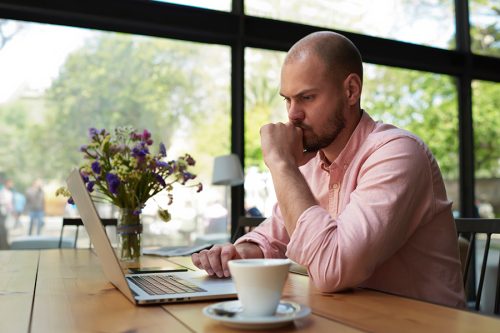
x=470 y=228
x=77 y=222
x=245 y=224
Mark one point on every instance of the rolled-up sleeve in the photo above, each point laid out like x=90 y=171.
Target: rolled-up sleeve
x=271 y=236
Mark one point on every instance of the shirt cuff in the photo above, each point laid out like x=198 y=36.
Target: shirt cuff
x=262 y=242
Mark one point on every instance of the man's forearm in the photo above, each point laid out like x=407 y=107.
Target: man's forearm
x=293 y=194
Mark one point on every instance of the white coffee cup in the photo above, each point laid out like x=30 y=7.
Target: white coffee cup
x=259 y=284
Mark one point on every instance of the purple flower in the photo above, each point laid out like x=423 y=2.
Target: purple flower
x=113 y=182
x=96 y=167
x=85 y=149
x=163 y=150
x=162 y=164
x=160 y=180
x=90 y=186
x=140 y=150
x=187 y=176
x=93 y=132
x=137 y=212
x=146 y=135
x=134 y=136
x=70 y=201
x=190 y=160
x=84 y=176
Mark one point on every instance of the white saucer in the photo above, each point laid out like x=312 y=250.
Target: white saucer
x=286 y=313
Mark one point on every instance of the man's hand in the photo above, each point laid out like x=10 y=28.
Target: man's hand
x=283 y=152
x=215 y=260
x=283 y=142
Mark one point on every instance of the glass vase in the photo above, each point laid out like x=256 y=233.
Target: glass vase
x=129 y=230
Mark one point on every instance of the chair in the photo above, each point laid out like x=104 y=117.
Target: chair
x=77 y=222
x=245 y=224
x=468 y=228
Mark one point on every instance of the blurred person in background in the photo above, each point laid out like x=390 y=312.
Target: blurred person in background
x=35 y=206
x=5 y=210
x=18 y=204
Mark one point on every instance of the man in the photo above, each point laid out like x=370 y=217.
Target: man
x=5 y=209
x=35 y=205
x=360 y=203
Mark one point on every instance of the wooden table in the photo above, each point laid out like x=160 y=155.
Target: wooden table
x=66 y=291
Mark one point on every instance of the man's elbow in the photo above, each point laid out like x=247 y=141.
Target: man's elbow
x=329 y=284
x=335 y=280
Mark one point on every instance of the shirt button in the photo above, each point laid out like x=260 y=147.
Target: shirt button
x=335 y=186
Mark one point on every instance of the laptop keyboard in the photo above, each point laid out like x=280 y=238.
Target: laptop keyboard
x=164 y=284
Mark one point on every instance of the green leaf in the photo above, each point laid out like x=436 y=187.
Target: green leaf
x=164 y=215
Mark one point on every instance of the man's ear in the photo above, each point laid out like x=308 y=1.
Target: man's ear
x=352 y=88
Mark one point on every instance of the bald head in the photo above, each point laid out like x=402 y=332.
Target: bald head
x=338 y=53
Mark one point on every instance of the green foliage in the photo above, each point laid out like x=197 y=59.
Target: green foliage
x=485 y=36
x=485 y=27
x=422 y=103
x=486 y=117
x=123 y=80
x=120 y=80
x=19 y=125
x=175 y=89
x=263 y=104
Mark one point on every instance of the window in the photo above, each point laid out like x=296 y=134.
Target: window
x=409 y=21
x=263 y=105
x=485 y=27
x=486 y=117
x=422 y=103
x=59 y=81
x=224 y=5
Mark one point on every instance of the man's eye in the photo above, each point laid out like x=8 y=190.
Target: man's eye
x=307 y=97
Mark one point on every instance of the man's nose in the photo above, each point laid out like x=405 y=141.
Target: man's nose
x=295 y=113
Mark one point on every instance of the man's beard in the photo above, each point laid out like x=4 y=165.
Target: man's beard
x=334 y=125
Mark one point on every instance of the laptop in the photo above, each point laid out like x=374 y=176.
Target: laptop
x=146 y=288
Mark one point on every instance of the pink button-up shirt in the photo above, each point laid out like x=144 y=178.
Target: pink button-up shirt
x=383 y=220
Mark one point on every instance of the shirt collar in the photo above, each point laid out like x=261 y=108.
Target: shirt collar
x=363 y=129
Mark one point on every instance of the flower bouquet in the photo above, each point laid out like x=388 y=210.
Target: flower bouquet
x=121 y=169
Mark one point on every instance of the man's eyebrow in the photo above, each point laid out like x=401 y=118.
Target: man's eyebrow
x=300 y=93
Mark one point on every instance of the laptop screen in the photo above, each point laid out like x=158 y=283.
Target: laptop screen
x=105 y=252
